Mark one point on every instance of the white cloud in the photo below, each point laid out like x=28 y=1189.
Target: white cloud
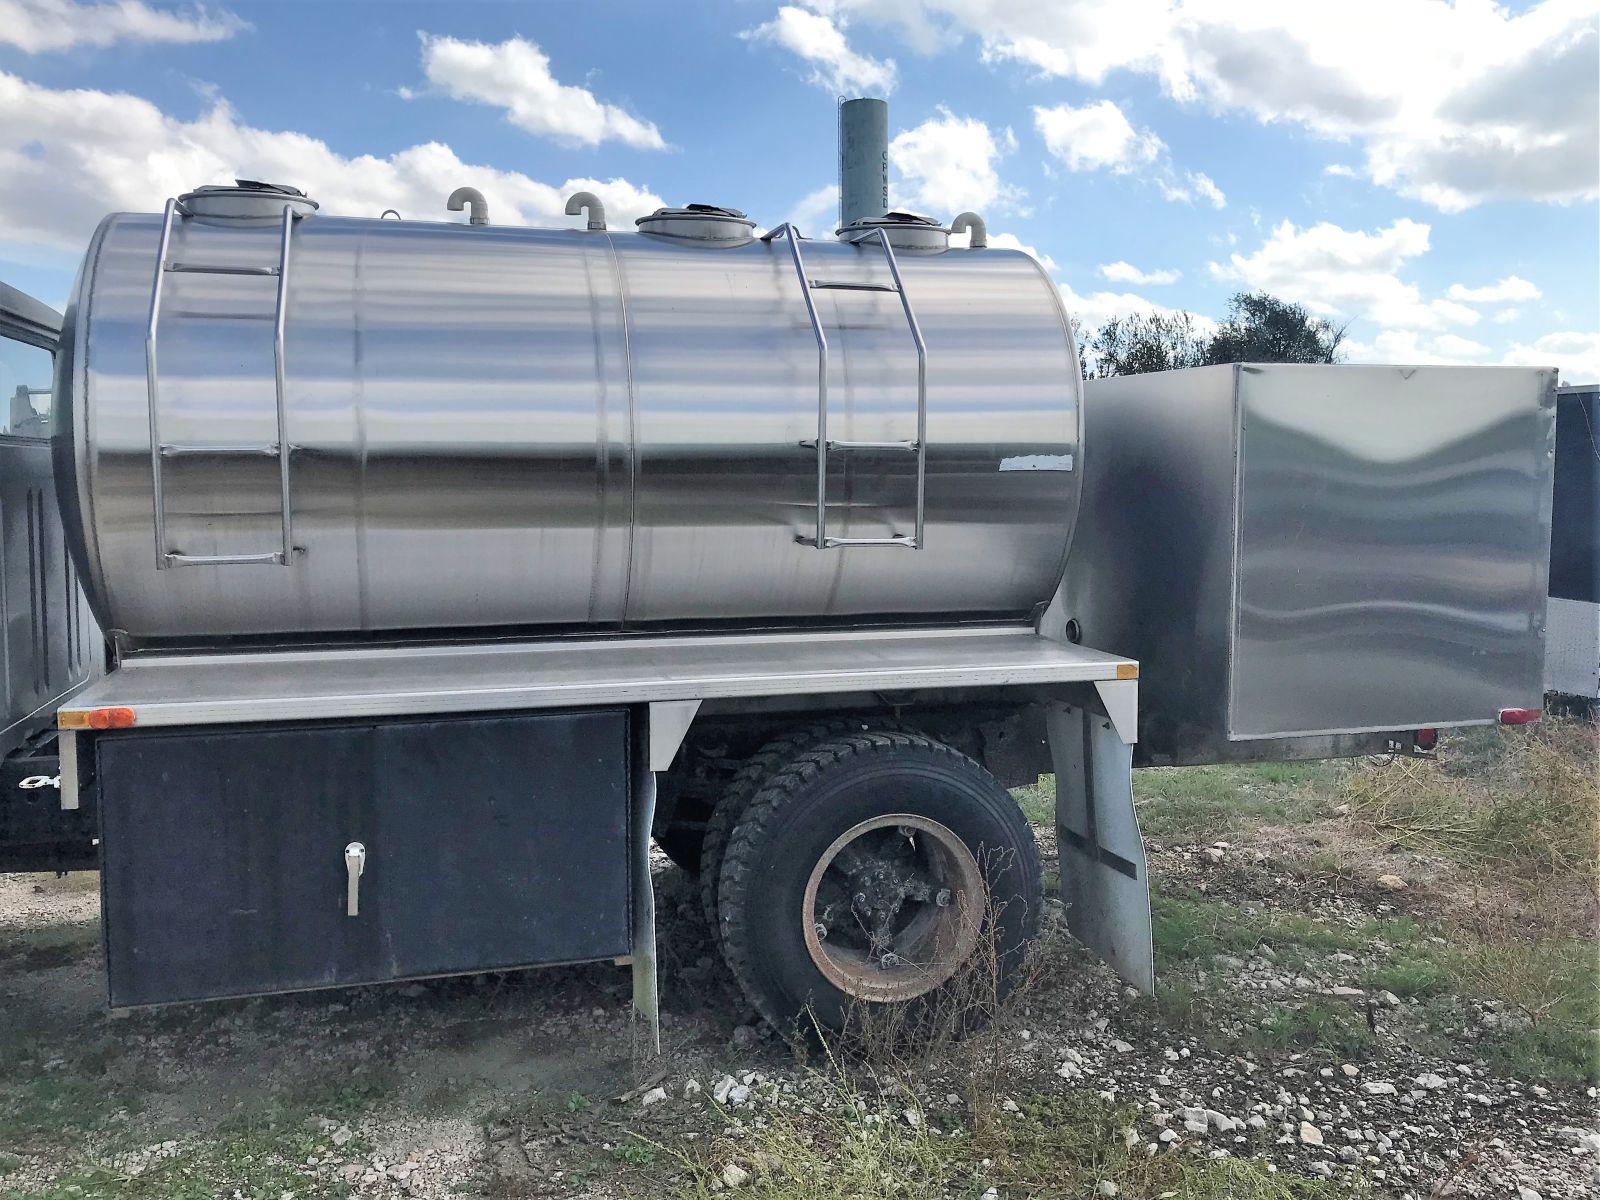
x=1096 y=136
x=1407 y=346
x=1336 y=271
x=1451 y=103
x=1510 y=289
x=1099 y=136
x=92 y=152
x=1090 y=312
x=817 y=212
x=1126 y=272
x=1207 y=189
x=515 y=75
x=1009 y=241
x=1506 y=316
x=1576 y=354
x=948 y=164
x=38 y=26
x=814 y=37
x=1341 y=171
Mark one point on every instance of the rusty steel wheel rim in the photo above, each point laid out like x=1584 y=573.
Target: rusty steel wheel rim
x=893 y=908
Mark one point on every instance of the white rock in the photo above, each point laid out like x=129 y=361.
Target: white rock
x=991 y=1194
x=654 y=1096
x=733 y=1175
x=1122 y=1047
x=691 y=1088
x=913 y=1118
x=1389 y=999
x=1351 y=1070
x=1310 y=1134
x=720 y=1089
x=1391 y=883
x=1107 y=1188
x=1378 y=1087
x=739 y=1094
x=1431 y=1081
x=1169 y=1135
x=1527 y=1193
x=1221 y=1122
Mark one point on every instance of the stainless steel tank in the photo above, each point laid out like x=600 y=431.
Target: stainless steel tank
x=487 y=426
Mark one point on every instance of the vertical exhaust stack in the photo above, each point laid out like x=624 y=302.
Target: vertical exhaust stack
x=863 y=160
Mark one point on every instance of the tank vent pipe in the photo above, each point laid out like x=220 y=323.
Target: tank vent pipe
x=973 y=222
x=863 y=160
x=464 y=196
x=587 y=202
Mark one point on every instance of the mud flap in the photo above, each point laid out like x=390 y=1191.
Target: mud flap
x=1104 y=884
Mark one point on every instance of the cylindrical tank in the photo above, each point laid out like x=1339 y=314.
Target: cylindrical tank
x=499 y=427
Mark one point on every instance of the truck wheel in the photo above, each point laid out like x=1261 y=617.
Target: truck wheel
x=731 y=806
x=871 y=869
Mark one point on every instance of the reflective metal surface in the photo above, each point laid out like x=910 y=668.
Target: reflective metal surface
x=1296 y=550
x=496 y=426
x=411 y=678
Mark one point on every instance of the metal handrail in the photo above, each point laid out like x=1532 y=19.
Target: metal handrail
x=159 y=451
x=922 y=387
x=823 y=444
x=822 y=375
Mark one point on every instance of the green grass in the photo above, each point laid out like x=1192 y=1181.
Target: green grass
x=47 y=946
x=1053 y=1148
x=1517 y=805
x=259 y=1151
x=1209 y=802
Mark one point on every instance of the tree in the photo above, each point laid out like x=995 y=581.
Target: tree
x=1259 y=328
x=1148 y=342
x=1263 y=328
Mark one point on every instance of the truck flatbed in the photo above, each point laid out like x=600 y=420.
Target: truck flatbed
x=314 y=684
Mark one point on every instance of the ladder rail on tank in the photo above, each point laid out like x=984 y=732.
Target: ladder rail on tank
x=161 y=451
x=823 y=444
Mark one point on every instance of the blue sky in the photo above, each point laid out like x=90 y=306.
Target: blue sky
x=1425 y=171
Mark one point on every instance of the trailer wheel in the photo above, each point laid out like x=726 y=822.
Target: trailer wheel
x=747 y=781
x=871 y=870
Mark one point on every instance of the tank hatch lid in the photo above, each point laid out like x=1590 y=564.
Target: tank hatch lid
x=906 y=231
x=700 y=222
x=245 y=199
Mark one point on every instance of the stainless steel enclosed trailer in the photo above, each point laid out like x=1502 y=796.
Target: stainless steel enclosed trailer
x=1316 y=560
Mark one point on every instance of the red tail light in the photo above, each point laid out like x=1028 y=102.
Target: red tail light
x=1520 y=716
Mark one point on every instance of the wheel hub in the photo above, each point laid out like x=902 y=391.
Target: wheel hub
x=892 y=908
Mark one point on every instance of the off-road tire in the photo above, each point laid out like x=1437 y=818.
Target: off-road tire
x=736 y=798
x=826 y=789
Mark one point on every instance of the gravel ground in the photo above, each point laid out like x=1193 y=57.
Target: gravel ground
x=529 y=1084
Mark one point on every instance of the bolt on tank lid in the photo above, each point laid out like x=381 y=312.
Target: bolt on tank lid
x=699 y=222
x=905 y=230
x=244 y=200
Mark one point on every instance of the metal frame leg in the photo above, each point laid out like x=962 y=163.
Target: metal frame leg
x=1104 y=880
x=646 y=1000
x=659 y=730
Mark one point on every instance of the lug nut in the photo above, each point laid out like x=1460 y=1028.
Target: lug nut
x=943 y=898
x=821 y=931
x=889 y=961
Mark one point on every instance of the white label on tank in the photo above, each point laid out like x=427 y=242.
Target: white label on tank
x=1037 y=462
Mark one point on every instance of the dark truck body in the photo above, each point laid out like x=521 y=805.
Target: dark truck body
x=50 y=645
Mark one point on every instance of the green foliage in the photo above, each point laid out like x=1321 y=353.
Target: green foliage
x=1259 y=328
x=1263 y=328
x=1147 y=342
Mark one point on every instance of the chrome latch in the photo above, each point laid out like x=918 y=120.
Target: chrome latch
x=355 y=862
